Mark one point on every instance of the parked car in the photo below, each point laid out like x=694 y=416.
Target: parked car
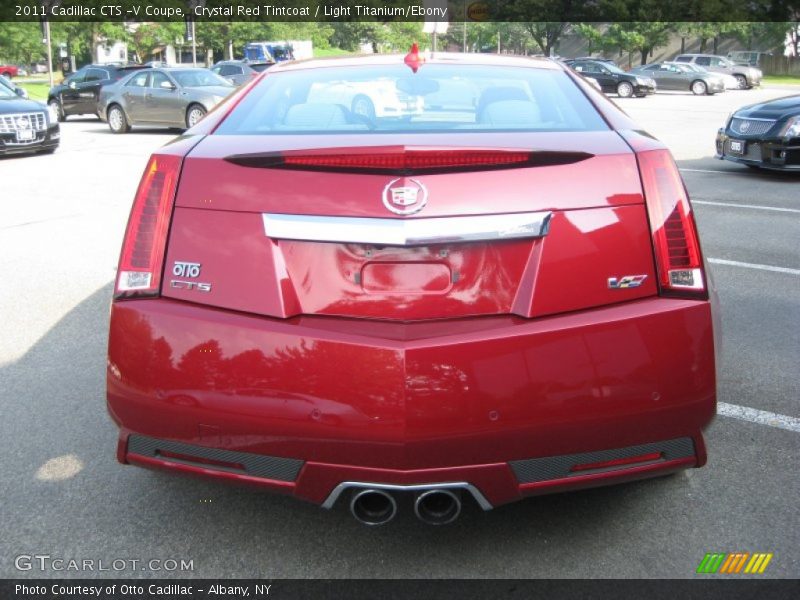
x=764 y=135
x=239 y=72
x=729 y=82
x=26 y=126
x=469 y=304
x=746 y=76
x=608 y=61
x=9 y=71
x=370 y=99
x=7 y=83
x=79 y=93
x=672 y=77
x=748 y=57
x=171 y=97
x=614 y=80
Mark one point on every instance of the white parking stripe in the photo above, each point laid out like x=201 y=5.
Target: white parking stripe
x=755 y=206
x=762 y=417
x=736 y=263
x=714 y=171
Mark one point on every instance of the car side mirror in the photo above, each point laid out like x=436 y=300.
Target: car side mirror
x=167 y=85
x=21 y=92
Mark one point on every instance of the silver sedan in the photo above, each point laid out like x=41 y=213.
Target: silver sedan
x=677 y=77
x=171 y=97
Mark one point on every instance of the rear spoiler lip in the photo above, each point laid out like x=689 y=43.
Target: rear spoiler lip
x=276 y=160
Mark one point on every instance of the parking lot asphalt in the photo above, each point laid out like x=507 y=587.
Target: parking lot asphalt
x=61 y=222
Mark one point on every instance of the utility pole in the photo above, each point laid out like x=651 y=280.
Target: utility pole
x=464 y=41
x=46 y=40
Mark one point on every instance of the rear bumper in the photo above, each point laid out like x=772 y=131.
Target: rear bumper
x=473 y=400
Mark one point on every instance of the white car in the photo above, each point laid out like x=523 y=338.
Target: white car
x=373 y=99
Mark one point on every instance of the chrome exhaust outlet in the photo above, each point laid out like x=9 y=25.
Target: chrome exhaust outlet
x=373 y=507
x=437 y=507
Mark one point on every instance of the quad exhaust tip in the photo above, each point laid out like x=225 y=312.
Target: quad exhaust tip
x=373 y=507
x=437 y=507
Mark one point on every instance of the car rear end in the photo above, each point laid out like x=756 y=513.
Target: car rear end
x=496 y=300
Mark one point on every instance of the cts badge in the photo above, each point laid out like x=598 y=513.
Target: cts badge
x=628 y=281
x=190 y=285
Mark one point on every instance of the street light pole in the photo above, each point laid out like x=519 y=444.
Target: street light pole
x=194 y=47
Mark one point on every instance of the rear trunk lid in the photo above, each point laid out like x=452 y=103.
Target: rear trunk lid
x=253 y=233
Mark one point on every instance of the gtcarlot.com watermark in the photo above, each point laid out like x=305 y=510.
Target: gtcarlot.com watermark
x=46 y=563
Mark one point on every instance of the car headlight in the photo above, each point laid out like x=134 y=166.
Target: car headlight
x=728 y=119
x=792 y=128
x=53 y=114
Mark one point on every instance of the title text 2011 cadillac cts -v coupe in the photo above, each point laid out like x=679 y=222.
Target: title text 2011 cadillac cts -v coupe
x=466 y=301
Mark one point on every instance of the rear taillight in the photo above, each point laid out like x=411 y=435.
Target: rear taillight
x=677 y=249
x=142 y=258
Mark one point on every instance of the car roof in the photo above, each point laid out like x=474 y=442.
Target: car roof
x=440 y=58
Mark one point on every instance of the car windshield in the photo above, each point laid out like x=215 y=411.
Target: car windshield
x=6 y=92
x=198 y=78
x=612 y=67
x=393 y=99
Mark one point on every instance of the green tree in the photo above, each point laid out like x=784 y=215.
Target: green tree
x=546 y=34
x=627 y=40
x=595 y=39
x=21 y=43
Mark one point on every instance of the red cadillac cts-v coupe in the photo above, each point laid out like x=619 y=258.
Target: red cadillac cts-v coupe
x=469 y=278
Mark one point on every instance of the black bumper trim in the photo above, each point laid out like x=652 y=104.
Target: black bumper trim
x=255 y=465
x=559 y=467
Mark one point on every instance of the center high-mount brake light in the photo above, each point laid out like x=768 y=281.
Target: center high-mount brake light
x=142 y=257
x=677 y=248
x=402 y=160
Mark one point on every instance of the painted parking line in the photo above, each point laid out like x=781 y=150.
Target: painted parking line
x=714 y=171
x=762 y=417
x=736 y=263
x=753 y=206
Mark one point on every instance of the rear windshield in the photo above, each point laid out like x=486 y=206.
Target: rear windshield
x=393 y=99
x=199 y=78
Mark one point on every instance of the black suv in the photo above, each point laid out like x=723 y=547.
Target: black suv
x=78 y=93
x=614 y=80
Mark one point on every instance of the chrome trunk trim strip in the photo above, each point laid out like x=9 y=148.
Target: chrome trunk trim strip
x=407 y=232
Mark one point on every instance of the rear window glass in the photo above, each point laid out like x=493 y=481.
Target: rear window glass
x=389 y=99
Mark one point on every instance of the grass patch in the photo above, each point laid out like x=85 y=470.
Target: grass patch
x=323 y=52
x=790 y=79
x=36 y=91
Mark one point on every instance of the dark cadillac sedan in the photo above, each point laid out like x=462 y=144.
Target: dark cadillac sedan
x=25 y=125
x=764 y=135
x=455 y=301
